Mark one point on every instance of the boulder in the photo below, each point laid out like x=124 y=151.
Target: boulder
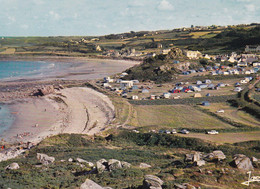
x=89 y=164
x=200 y=163
x=114 y=164
x=125 y=164
x=254 y=159
x=44 y=159
x=196 y=157
x=102 y=165
x=242 y=162
x=46 y=90
x=12 y=166
x=184 y=186
x=144 y=165
x=152 y=182
x=89 y=184
x=217 y=155
x=188 y=157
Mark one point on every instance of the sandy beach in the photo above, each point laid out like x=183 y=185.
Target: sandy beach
x=68 y=110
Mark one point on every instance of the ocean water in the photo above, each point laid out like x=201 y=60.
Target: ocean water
x=12 y=70
x=6 y=118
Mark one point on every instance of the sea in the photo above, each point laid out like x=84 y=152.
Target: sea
x=16 y=70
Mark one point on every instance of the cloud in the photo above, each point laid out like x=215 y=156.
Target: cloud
x=251 y=7
x=54 y=15
x=165 y=5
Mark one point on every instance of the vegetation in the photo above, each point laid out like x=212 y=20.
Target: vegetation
x=191 y=101
x=164 y=152
x=174 y=116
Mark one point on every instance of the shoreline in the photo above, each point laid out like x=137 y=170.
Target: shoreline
x=86 y=108
x=80 y=68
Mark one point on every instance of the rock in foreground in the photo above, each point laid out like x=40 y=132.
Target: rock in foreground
x=152 y=182
x=89 y=184
x=242 y=162
x=12 y=166
x=44 y=159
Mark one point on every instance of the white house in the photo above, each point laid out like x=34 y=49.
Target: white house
x=126 y=84
x=192 y=54
x=166 y=95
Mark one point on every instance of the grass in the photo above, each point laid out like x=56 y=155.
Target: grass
x=234 y=114
x=223 y=138
x=196 y=35
x=8 y=51
x=122 y=109
x=176 y=116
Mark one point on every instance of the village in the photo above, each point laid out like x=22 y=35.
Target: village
x=243 y=66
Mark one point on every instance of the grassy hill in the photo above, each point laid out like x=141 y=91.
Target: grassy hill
x=212 y=40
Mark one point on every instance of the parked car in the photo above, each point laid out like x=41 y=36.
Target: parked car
x=185 y=131
x=212 y=132
x=173 y=131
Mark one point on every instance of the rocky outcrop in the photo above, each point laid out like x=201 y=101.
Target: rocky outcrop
x=110 y=165
x=44 y=159
x=184 y=186
x=89 y=184
x=102 y=165
x=49 y=89
x=242 y=162
x=125 y=164
x=114 y=164
x=152 y=182
x=200 y=163
x=10 y=153
x=216 y=156
x=12 y=166
x=144 y=165
x=175 y=53
x=89 y=164
x=195 y=158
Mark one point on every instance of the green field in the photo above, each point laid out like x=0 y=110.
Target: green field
x=175 y=116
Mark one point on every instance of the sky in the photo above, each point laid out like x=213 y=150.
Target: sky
x=101 y=17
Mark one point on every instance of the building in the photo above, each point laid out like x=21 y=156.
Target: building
x=126 y=84
x=252 y=48
x=192 y=54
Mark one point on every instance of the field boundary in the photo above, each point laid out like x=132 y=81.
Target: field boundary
x=184 y=101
